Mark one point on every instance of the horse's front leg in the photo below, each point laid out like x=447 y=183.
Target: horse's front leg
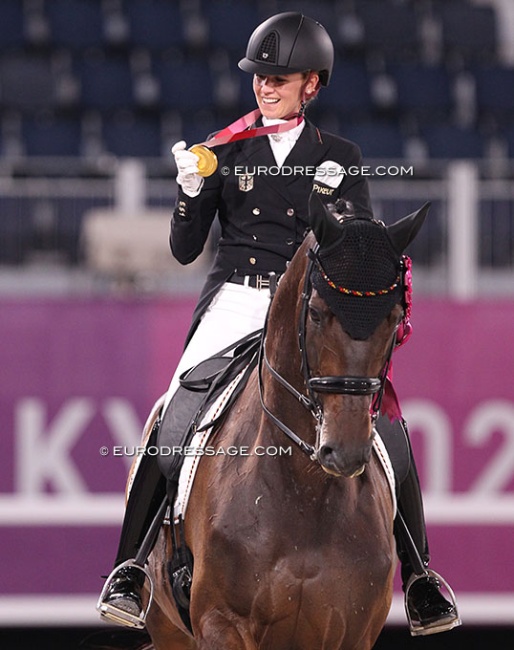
x=164 y=635
x=218 y=632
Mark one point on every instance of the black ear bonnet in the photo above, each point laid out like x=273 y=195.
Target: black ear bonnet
x=359 y=276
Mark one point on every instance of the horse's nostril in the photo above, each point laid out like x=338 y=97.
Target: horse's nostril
x=335 y=460
x=325 y=451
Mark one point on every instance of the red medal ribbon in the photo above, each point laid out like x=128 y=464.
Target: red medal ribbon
x=239 y=130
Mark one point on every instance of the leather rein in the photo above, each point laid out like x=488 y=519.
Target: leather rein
x=342 y=385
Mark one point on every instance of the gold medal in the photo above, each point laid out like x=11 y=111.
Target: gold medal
x=208 y=162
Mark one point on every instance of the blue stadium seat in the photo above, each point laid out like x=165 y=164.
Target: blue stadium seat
x=75 y=24
x=390 y=29
x=375 y=139
x=469 y=30
x=52 y=136
x=495 y=92
x=422 y=91
x=155 y=24
x=349 y=90
x=132 y=136
x=231 y=23
x=185 y=85
x=106 y=83
x=198 y=127
x=447 y=142
x=11 y=24
x=26 y=82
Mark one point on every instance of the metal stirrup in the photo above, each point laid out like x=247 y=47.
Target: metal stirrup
x=422 y=572
x=120 y=616
x=446 y=623
x=116 y=614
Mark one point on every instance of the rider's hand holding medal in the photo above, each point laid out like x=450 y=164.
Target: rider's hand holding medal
x=188 y=169
x=199 y=161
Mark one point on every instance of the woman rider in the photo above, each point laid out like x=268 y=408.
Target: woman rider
x=262 y=211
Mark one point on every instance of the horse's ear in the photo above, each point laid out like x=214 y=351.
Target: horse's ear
x=403 y=231
x=323 y=223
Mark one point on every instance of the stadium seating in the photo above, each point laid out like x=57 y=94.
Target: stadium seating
x=390 y=29
x=495 y=92
x=469 y=31
x=106 y=83
x=154 y=24
x=75 y=24
x=51 y=136
x=26 y=82
x=12 y=22
x=349 y=91
x=190 y=52
x=129 y=136
x=423 y=92
x=376 y=139
x=127 y=78
x=447 y=141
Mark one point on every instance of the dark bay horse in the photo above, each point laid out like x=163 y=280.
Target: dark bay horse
x=295 y=551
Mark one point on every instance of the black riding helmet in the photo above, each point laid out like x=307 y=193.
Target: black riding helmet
x=289 y=42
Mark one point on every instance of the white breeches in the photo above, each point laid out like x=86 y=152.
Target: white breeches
x=235 y=311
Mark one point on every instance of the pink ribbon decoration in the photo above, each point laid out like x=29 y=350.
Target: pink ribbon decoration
x=239 y=130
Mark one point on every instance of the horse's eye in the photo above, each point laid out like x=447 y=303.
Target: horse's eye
x=314 y=315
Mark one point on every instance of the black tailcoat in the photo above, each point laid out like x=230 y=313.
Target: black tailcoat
x=262 y=209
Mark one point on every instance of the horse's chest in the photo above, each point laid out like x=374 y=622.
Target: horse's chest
x=300 y=567
x=315 y=594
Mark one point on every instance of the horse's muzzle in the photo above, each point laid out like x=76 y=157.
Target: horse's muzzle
x=339 y=462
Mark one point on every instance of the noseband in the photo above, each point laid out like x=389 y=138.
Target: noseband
x=341 y=385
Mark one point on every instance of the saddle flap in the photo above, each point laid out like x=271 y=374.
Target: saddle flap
x=183 y=409
x=199 y=388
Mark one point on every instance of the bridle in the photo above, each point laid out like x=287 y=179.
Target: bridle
x=341 y=385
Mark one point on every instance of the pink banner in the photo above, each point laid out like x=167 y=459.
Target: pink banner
x=80 y=376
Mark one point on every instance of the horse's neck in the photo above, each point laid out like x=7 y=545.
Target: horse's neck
x=283 y=355
x=282 y=345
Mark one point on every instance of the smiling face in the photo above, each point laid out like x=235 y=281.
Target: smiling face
x=280 y=96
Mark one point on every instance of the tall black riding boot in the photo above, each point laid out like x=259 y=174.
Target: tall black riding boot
x=428 y=611
x=121 y=598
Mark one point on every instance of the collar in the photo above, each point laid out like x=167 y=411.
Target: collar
x=287 y=136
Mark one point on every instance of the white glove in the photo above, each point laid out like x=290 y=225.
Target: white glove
x=187 y=167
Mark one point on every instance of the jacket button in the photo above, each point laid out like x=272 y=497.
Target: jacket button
x=289 y=242
x=290 y=212
x=252 y=260
x=256 y=211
